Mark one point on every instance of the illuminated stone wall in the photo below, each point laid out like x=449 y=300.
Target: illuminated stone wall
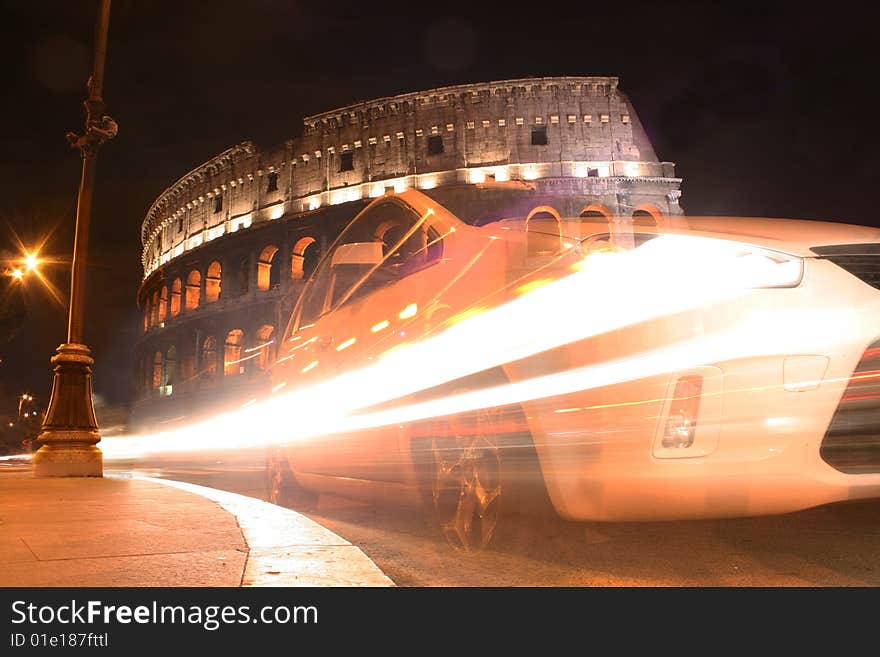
x=357 y=152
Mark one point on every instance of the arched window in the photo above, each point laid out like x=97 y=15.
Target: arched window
x=170 y=371
x=212 y=282
x=269 y=269
x=163 y=303
x=232 y=361
x=306 y=253
x=157 y=371
x=647 y=216
x=593 y=219
x=265 y=346
x=544 y=231
x=193 y=289
x=209 y=357
x=175 y=297
x=147 y=315
x=595 y=212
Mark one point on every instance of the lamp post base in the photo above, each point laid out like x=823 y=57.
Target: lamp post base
x=70 y=431
x=69 y=459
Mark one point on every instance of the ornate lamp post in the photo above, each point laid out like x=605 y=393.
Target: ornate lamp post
x=69 y=433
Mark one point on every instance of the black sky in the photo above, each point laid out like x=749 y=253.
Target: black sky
x=766 y=109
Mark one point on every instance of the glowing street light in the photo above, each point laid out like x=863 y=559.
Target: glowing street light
x=25 y=397
x=31 y=261
x=17 y=274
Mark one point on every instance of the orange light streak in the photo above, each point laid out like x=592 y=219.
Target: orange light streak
x=508 y=332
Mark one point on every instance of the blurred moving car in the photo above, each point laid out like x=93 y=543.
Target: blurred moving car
x=708 y=367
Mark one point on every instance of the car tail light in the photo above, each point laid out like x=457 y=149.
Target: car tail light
x=681 y=425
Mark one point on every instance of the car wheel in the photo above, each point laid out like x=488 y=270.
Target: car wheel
x=466 y=481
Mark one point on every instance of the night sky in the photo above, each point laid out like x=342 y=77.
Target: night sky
x=766 y=109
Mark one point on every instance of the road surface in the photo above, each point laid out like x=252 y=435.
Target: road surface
x=836 y=545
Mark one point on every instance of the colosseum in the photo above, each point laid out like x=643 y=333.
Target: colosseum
x=228 y=246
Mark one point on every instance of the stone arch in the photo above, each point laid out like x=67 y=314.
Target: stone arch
x=383 y=228
x=163 y=303
x=595 y=210
x=193 y=290
x=306 y=252
x=390 y=233
x=213 y=282
x=592 y=215
x=209 y=357
x=264 y=346
x=176 y=293
x=544 y=231
x=269 y=268
x=232 y=348
x=647 y=216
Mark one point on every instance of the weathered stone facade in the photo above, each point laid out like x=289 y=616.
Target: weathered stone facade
x=252 y=222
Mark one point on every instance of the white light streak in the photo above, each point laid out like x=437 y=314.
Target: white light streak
x=630 y=287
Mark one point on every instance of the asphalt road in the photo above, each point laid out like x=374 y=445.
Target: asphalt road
x=836 y=545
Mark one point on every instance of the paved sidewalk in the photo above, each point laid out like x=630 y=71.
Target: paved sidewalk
x=147 y=532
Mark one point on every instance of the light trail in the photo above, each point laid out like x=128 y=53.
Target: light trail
x=259 y=347
x=629 y=287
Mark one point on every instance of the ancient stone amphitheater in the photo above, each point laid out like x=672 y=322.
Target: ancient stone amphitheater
x=228 y=246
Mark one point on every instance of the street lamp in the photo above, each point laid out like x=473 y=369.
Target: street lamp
x=69 y=433
x=26 y=265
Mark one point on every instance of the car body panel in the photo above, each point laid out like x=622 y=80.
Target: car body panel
x=595 y=396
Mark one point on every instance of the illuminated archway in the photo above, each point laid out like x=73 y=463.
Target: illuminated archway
x=264 y=346
x=163 y=303
x=305 y=257
x=232 y=360
x=213 y=282
x=595 y=211
x=594 y=217
x=647 y=216
x=383 y=228
x=193 y=290
x=175 y=297
x=269 y=268
x=543 y=226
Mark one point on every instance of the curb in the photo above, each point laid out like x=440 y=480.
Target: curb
x=284 y=547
